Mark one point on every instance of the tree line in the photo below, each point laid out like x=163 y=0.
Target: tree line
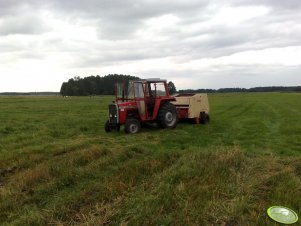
x=93 y=85
x=97 y=85
x=105 y=85
x=241 y=90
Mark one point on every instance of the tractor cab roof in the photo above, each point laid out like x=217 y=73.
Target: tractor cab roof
x=150 y=80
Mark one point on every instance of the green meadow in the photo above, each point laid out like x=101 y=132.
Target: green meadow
x=59 y=167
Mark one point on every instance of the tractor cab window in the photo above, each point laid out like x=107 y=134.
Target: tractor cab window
x=119 y=90
x=146 y=89
x=130 y=91
x=158 y=89
x=139 y=92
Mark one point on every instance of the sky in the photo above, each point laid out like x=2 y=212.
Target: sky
x=194 y=43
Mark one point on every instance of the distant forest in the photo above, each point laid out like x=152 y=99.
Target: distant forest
x=98 y=85
x=93 y=85
x=104 y=85
x=241 y=90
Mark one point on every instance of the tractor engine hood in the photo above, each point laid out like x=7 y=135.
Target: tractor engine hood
x=128 y=104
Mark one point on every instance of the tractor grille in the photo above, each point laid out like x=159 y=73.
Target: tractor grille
x=113 y=113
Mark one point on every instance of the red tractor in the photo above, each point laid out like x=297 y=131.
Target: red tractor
x=142 y=101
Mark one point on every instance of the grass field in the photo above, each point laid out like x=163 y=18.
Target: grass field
x=59 y=167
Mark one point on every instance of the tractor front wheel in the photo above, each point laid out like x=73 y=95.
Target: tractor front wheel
x=108 y=127
x=168 y=116
x=132 y=125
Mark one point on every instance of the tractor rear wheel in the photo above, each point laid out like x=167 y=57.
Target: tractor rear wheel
x=132 y=125
x=168 y=116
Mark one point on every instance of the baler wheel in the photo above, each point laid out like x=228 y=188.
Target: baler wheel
x=205 y=119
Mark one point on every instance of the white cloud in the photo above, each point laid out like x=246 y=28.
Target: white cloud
x=286 y=56
x=231 y=16
x=155 y=28
x=193 y=43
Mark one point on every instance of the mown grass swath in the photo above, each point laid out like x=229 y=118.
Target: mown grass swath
x=58 y=166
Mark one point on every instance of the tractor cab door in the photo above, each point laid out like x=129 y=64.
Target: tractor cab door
x=124 y=91
x=140 y=99
x=120 y=92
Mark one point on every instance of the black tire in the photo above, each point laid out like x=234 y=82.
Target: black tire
x=108 y=127
x=168 y=116
x=132 y=126
x=205 y=119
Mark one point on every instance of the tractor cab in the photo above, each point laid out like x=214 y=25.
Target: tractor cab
x=145 y=94
x=142 y=101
